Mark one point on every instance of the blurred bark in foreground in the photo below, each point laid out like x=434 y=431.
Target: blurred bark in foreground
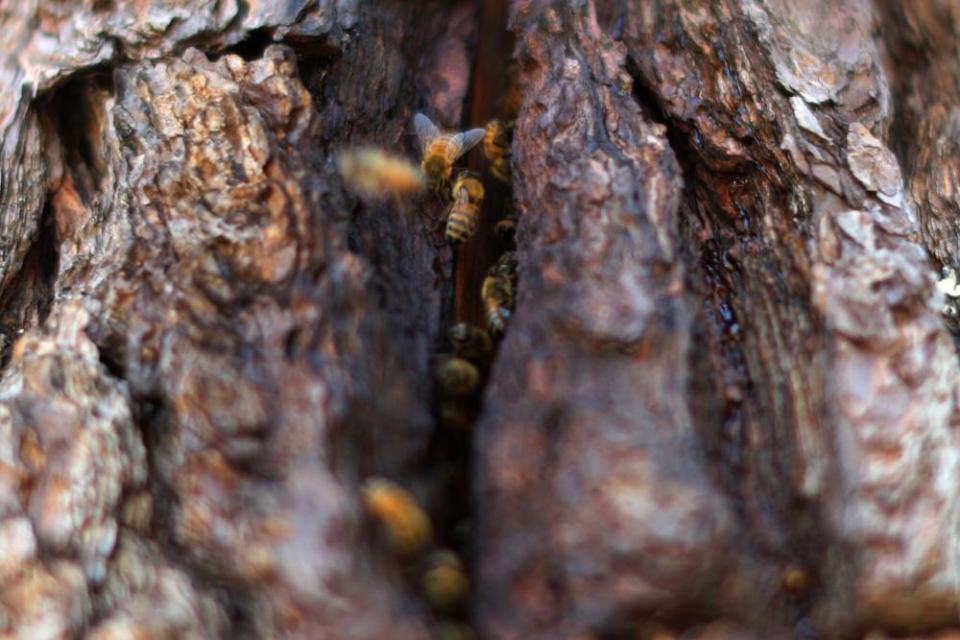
x=726 y=406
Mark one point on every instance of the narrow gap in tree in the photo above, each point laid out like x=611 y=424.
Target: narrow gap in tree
x=469 y=341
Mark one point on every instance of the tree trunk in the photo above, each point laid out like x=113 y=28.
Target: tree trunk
x=726 y=404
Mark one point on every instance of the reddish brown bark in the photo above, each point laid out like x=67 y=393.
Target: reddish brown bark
x=725 y=406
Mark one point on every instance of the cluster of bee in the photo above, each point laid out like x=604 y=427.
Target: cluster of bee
x=457 y=376
x=406 y=528
x=442 y=150
x=374 y=173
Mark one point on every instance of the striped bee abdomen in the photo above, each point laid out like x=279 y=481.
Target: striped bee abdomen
x=463 y=221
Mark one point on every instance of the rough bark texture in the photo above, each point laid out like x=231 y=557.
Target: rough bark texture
x=726 y=405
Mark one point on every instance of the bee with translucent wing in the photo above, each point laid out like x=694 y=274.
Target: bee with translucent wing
x=441 y=150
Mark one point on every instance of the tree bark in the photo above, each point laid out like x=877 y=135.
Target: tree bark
x=726 y=404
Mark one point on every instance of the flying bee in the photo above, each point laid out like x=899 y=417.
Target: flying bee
x=464 y=217
x=497 y=140
x=374 y=173
x=444 y=582
x=498 y=291
x=442 y=150
x=507 y=231
x=404 y=522
x=456 y=377
x=470 y=342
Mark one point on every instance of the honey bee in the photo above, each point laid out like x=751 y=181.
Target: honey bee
x=441 y=150
x=498 y=291
x=501 y=170
x=456 y=377
x=496 y=296
x=507 y=231
x=444 y=582
x=464 y=215
x=452 y=415
x=374 y=173
x=470 y=342
x=405 y=524
x=497 y=139
x=507 y=266
x=795 y=579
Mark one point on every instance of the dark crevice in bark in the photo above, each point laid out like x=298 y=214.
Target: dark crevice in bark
x=709 y=270
x=255 y=42
x=721 y=243
x=709 y=274
x=252 y=46
x=907 y=59
x=27 y=300
x=71 y=116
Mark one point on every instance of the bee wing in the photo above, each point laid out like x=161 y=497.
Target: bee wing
x=467 y=140
x=426 y=130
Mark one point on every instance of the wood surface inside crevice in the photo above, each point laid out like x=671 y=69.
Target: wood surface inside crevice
x=489 y=83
